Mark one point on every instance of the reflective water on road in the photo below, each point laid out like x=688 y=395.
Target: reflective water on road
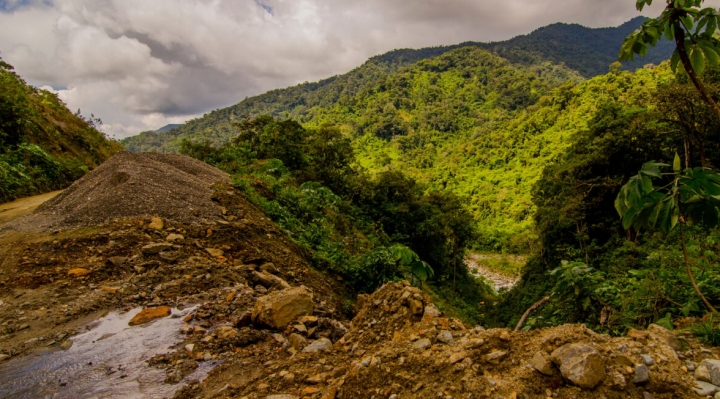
x=109 y=361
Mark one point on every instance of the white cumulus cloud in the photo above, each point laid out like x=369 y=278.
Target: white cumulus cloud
x=141 y=64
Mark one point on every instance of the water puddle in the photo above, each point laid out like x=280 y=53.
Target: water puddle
x=108 y=361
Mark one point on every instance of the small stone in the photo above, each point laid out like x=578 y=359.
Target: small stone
x=297 y=341
x=422 y=344
x=648 y=360
x=300 y=328
x=152 y=249
x=78 y=272
x=174 y=238
x=541 y=363
x=282 y=396
x=416 y=307
x=289 y=377
x=618 y=380
x=190 y=347
x=4 y=357
x=495 y=357
x=308 y=320
x=322 y=344
x=215 y=252
x=690 y=365
x=708 y=371
x=280 y=339
x=474 y=343
x=156 y=223
x=703 y=388
x=309 y=391
x=226 y=332
x=317 y=379
x=150 y=314
x=269 y=268
x=431 y=311
x=642 y=374
x=207 y=356
x=445 y=337
x=66 y=344
x=457 y=357
x=109 y=290
x=118 y=261
x=648 y=395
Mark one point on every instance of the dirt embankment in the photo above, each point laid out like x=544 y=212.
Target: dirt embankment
x=281 y=329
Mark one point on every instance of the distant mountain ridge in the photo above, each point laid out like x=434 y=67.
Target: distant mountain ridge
x=585 y=50
x=168 y=127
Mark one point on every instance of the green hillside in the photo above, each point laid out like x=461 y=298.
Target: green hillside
x=43 y=146
x=588 y=51
x=481 y=128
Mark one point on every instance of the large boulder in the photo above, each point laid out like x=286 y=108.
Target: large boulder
x=580 y=364
x=709 y=371
x=280 y=308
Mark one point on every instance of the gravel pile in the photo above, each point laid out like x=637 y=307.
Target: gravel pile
x=175 y=187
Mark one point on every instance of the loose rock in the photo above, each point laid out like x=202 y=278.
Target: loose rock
x=280 y=308
x=642 y=374
x=705 y=388
x=150 y=314
x=541 y=363
x=78 y=272
x=322 y=344
x=709 y=371
x=580 y=364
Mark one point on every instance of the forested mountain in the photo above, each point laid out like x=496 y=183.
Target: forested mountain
x=587 y=51
x=43 y=146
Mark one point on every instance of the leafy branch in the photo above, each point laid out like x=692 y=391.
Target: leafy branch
x=692 y=28
x=692 y=197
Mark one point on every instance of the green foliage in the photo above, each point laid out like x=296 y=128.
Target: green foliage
x=636 y=277
x=43 y=146
x=682 y=21
x=367 y=230
x=708 y=331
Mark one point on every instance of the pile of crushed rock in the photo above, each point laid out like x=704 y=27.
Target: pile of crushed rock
x=171 y=186
x=400 y=345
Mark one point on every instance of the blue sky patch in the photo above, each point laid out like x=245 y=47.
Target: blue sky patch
x=13 y=5
x=265 y=7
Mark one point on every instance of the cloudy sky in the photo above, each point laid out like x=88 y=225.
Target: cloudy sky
x=140 y=64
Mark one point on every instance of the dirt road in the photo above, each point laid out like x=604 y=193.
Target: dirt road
x=23 y=206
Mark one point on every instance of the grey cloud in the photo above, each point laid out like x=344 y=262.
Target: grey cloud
x=140 y=64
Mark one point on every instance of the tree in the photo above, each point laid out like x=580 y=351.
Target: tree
x=270 y=138
x=692 y=28
x=691 y=197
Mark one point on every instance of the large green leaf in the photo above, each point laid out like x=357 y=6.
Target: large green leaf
x=422 y=270
x=697 y=59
